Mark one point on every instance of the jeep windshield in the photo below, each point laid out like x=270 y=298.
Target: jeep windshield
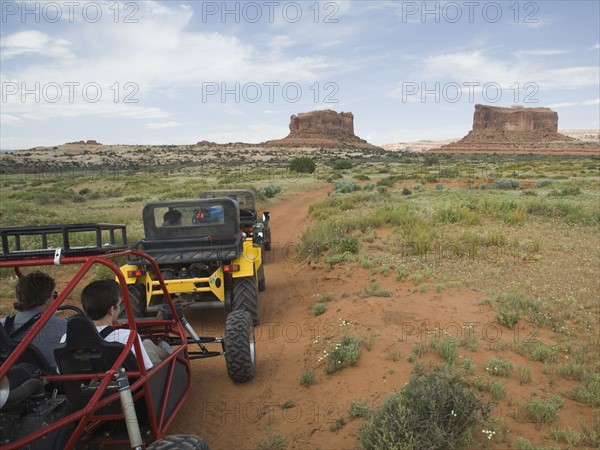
x=194 y=218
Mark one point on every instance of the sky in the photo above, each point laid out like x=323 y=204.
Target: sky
x=179 y=72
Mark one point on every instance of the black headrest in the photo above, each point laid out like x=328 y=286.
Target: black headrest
x=85 y=351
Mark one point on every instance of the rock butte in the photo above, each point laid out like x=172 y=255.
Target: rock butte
x=516 y=130
x=325 y=128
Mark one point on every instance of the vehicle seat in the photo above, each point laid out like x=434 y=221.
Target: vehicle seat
x=85 y=351
x=31 y=355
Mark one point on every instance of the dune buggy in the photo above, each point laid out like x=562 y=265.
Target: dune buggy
x=204 y=258
x=103 y=395
x=249 y=218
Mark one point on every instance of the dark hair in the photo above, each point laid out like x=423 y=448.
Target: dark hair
x=99 y=296
x=172 y=217
x=33 y=290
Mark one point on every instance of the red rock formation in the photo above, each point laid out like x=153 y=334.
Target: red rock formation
x=515 y=119
x=88 y=142
x=325 y=128
x=206 y=143
x=515 y=130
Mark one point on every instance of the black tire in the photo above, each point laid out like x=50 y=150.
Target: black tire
x=262 y=282
x=137 y=297
x=240 y=352
x=179 y=442
x=245 y=297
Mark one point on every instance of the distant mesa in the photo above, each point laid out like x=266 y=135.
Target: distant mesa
x=326 y=128
x=88 y=142
x=516 y=130
x=206 y=144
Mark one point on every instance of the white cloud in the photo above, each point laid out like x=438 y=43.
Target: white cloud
x=160 y=53
x=541 y=52
x=34 y=43
x=479 y=66
x=162 y=125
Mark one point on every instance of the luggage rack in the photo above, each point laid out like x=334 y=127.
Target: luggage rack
x=68 y=240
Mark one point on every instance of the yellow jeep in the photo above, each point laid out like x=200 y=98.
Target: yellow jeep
x=204 y=258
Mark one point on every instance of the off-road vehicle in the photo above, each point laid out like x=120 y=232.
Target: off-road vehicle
x=204 y=257
x=250 y=221
x=103 y=395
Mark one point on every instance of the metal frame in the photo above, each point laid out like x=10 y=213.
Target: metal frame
x=88 y=418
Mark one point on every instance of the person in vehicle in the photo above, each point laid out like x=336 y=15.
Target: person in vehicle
x=101 y=301
x=34 y=293
x=172 y=218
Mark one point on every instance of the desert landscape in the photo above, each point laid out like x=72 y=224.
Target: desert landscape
x=421 y=270
x=471 y=262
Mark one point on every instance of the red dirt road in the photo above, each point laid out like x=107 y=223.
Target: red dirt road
x=291 y=340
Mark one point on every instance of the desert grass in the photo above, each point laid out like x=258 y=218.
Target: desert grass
x=525 y=245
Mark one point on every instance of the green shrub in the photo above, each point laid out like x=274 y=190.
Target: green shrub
x=565 y=191
x=435 y=410
x=342 y=164
x=439 y=187
x=543 y=411
x=589 y=393
x=358 y=408
x=319 y=308
x=303 y=164
x=505 y=184
x=275 y=442
x=406 y=191
x=524 y=375
x=430 y=159
x=324 y=298
x=338 y=424
x=419 y=187
x=419 y=349
x=543 y=183
x=499 y=367
x=447 y=349
x=270 y=190
x=508 y=318
x=369 y=186
x=349 y=244
x=307 y=378
x=345 y=187
x=343 y=354
x=523 y=444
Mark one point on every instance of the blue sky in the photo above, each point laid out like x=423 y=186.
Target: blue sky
x=153 y=72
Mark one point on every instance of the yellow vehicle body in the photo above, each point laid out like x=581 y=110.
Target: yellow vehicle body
x=246 y=265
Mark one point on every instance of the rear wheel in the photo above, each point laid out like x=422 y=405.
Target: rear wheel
x=137 y=297
x=240 y=355
x=245 y=297
x=180 y=442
